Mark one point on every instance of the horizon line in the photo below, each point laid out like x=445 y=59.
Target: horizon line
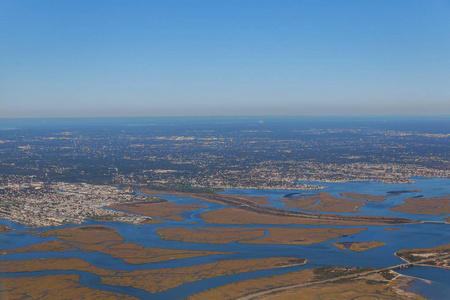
x=230 y=116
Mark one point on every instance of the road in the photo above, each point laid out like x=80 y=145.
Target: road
x=400 y=266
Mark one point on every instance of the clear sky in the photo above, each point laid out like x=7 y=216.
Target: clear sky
x=66 y=58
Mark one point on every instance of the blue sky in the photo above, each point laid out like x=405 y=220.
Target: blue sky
x=66 y=58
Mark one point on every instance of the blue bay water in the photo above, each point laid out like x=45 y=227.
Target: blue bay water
x=410 y=236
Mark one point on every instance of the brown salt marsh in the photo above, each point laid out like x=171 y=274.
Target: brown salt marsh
x=303 y=236
x=53 y=287
x=356 y=289
x=241 y=288
x=209 y=235
x=358 y=246
x=4 y=228
x=53 y=246
x=155 y=281
x=317 y=283
x=158 y=209
x=276 y=236
x=137 y=254
x=366 y=197
x=425 y=206
x=327 y=203
x=272 y=216
x=107 y=240
x=152 y=221
x=87 y=234
x=53 y=264
x=226 y=199
x=252 y=207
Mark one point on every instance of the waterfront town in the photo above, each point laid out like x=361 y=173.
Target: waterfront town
x=255 y=156
x=38 y=205
x=53 y=176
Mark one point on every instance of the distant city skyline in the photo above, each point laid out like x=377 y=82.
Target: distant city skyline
x=224 y=58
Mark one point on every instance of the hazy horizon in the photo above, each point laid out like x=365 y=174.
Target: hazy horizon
x=232 y=58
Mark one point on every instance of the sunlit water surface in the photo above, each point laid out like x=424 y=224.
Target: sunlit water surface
x=323 y=254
